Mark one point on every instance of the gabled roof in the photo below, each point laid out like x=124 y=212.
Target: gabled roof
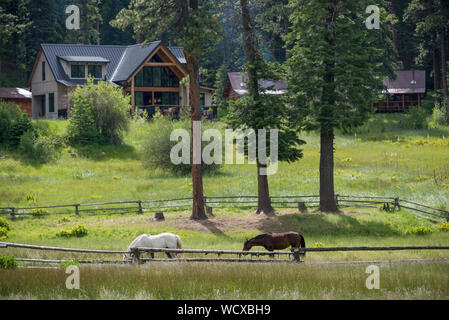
x=122 y=61
x=407 y=81
x=238 y=84
x=15 y=93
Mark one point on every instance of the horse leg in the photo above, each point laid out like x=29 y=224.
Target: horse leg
x=152 y=255
x=169 y=255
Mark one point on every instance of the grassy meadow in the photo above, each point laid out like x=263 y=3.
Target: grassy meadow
x=379 y=159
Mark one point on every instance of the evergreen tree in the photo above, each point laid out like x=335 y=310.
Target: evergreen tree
x=13 y=25
x=336 y=70
x=90 y=21
x=47 y=27
x=259 y=110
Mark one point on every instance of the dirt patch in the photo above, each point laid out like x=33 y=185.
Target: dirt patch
x=218 y=225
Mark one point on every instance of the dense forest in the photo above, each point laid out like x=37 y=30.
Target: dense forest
x=418 y=29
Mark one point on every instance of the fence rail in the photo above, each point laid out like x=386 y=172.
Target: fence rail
x=288 y=201
x=136 y=253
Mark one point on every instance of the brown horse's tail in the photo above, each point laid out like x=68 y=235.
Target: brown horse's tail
x=303 y=243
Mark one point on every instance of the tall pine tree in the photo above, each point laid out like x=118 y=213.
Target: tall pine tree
x=336 y=70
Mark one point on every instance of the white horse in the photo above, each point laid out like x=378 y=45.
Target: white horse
x=163 y=240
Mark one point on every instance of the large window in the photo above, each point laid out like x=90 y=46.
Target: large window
x=51 y=102
x=94 y=71
x=78 y=71
x=156 y=77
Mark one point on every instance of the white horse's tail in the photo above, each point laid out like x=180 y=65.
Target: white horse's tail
x=179 y=245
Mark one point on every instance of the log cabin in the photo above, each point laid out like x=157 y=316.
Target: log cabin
x=405 y=92
x=19 y=96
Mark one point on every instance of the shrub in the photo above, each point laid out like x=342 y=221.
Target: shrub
x=66 y=264
x=3 y=233
x=13 y=124
x=157 y=147
x=4 y=224
x=100 y=112
x=38 y=212
x=77 y=231
x=8 y=262
x=416 y=118
x=420 y=230
x=440 y=115
x=443 y=226
x=64 y=219
x=39 y=148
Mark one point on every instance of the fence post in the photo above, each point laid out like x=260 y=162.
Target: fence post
x=77 y=210
x=136 y=256
x=396 y=203
x=336 y=199
x=296 y=256
x=140 y=207
x=13 y=214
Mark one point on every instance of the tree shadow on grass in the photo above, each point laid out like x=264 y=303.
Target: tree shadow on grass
x=316 y=223
x=101 y=152
x=212 y=227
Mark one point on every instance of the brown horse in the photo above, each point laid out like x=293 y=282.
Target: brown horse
x=276 y=241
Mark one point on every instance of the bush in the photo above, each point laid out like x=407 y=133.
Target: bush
x=3 y=233
x=420 y=230
x=4 y=224
x=440 y=115
x=416 y=118
x=39 y=148
x=8 y=262
x=13 y=124
x=157 y=148
x=77 y=231
x=443 y=226
x=99 y=113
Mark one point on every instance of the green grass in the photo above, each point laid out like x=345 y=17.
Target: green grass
x=230 y=281
x=379 y=159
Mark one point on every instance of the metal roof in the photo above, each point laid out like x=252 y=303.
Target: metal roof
x=84 y=59
x=15 y=93
x=407 y=81
x=272 y=87
x=123 y=61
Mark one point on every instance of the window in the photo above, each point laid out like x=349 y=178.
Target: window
x=78 y=71
x=43 y=70
x=95 y=71
x=156 y=77
x=51 y=102
x=202 y=99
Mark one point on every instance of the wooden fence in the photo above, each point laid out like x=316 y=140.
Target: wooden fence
x=300 y=202
x=294 y=255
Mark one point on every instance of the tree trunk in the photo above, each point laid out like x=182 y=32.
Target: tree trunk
x=327 y=192
x=394 y=30
x=436 y=73
x=263 y=192
x=443 y=60
x=198 y=211
x=250 y=48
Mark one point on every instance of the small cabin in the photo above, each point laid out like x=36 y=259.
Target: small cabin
x=405 y=92
x=20 y=96
x=235 y=86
